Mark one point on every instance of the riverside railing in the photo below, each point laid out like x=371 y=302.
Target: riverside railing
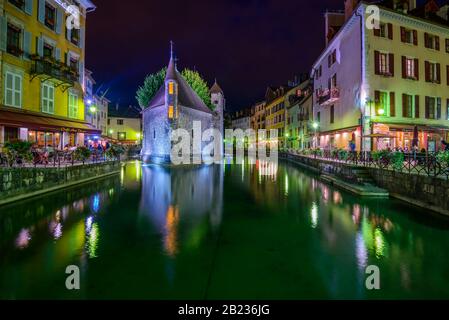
x=428 y=164
x=55 y=159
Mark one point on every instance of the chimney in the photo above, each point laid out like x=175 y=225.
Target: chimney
x=350 y=6
x=411 y=5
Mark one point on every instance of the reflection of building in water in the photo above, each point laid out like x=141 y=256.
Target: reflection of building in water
x=171 y=196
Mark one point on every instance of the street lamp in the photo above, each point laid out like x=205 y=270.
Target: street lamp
x=93 y=109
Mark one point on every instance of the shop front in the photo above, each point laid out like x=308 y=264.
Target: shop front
x=41 y=130
x=406 y=137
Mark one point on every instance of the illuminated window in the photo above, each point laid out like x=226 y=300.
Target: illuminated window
x=171 y=88
x=170 y=112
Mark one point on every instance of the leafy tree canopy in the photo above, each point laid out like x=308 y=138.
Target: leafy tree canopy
x=153 y=83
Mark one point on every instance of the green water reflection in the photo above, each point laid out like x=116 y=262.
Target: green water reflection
x=251 y=232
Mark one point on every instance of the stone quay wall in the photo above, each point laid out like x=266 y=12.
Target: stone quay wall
x=18 y=183
x=431 y=193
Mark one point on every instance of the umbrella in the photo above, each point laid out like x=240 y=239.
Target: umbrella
x=415 y=142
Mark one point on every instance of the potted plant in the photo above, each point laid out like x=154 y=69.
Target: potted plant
x=18 y=151
x=82 y=154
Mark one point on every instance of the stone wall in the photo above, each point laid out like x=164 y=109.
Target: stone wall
x=22 y=181
x=429 y=192
x=420 y=190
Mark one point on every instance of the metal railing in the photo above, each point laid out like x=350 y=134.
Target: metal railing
x=427 y=164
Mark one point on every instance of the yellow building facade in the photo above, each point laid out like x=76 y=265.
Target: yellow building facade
x=42 y=54
x=275 y=113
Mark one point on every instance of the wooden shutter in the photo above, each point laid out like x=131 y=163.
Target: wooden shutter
x=416 y=106
x=376 y=62
x=41 y=11
x=29 y=7
x=391 y=60
x=3 y=33
x=447 y=74
x=376 y=98
x=427 y=70
x=377 y=32
x=392 y=104
x=404 y=67
x=427 y=108
x=415 y=37
x=417 y=69
x=438 y=108
x=437 y=43
x=404 y=105
x=390 y=31
x=403 y=37
x=438 y=73
x=426 y=40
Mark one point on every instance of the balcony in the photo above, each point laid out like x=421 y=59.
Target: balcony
x=328 y=96
x=50 y=69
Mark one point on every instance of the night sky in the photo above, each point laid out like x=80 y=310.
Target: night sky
x=245 y=44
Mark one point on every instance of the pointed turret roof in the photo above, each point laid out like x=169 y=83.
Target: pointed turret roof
x=171 y=69
x=187 y=97
x=216 y=88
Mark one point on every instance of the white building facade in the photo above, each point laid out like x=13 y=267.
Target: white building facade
x=378 y=86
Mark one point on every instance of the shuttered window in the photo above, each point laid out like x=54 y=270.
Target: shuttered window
x=48 y=98
x=73 y=105
x=13 y=89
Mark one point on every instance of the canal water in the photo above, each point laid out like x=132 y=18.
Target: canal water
x=219 y=232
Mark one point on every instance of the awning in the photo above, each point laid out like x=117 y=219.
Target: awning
x=411 y=128
x=40 y=122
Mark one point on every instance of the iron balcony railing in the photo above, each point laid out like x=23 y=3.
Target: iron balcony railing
x=54 y=70
x=328 y=96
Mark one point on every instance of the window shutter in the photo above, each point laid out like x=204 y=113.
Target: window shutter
x=376 y=62
x=41 y=11
x=404 y=105
x=447 y=74
x=81 y=72
x=377 y=32
x=390 y=31
x=437 y=43
x=427 y=67
x=82 y=37
x=426 y=40
x=3 y=32
x=416 y=106
x=40 y=46
x=391 y=58
x=376 y=98
x=438 y=73
x=402 y=34
x=29 y=7
x=26 y=44
x=404 y=67
x=417 y=69
x=427 y=107
x=58 y=54
x=415 y=37
x=438 y=108
x=392 y=104
x=59 y=20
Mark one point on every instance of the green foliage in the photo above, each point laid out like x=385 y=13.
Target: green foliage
x=198 y=84
x=384 y=155
x=154 y=82
x=18 y=150
x=443 y=157
x=398 y=159
x=82 y=154
x=151 y=85
x=115 y=151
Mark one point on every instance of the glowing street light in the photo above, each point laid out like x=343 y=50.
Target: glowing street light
x=381 y=112
x=315 y=125
x=93 y=109
x=111 y=131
